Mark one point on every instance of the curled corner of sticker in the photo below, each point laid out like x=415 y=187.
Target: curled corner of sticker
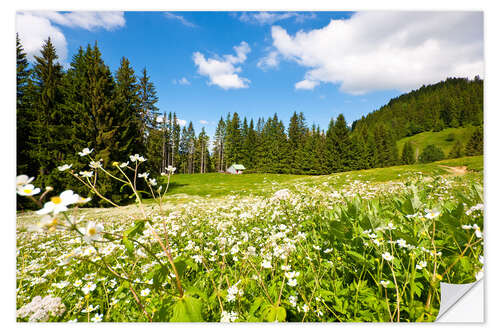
x=462 y=303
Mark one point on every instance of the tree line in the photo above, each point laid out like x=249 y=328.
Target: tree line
x=455 y=102
x=268 y=146
x=61 y=111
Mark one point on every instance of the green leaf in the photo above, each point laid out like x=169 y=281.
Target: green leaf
x=273 y=313
x=128 y=245
x=136 y=229
x=187 y=309
x=180 y=266
x=256 y=305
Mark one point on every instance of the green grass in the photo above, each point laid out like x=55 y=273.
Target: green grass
x=219 y=184
x=216 y=184
x=438 y=138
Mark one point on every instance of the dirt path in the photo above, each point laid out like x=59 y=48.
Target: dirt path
x=456 y=171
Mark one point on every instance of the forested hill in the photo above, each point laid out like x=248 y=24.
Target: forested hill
x=452 y=103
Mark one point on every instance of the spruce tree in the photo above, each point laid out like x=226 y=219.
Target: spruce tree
x=408 y=153
x=234 y=140
x=219 y=136
x=127 y=104
x=332 y=157
x=52 y=126
x=456 y=151
x=431 y=153
x=147 y=103
x=24 y=115
x=475 y=144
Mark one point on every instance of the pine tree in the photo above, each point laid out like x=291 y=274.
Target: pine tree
x=52 y=125
x=25 y=117
x=297 y=131
x=250 y=145
x=191 y=140
x=203 y=150
x=343 y=143
x=431 y=153
x=175 y=138
x=338 y=145
x=127 y=104
x=408 y=153
x=234 y=141
x=332 y=158
x=99 y=122
x=147 y=104
x=456 y=151
x=220 y=133
x=475 y=144
x=184 y=151
x=245 y=150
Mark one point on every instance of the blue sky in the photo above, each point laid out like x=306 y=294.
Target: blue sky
x=258 y=64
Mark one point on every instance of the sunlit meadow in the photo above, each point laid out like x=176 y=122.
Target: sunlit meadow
x=344 y=247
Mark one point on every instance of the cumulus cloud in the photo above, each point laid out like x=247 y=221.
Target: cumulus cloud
x=180 y=122
x=181 y=19
x=34 y=30
x=271 y=60
x=182 y=81
x=306 y=85
x=36 y=26
x=85 y=20
x=264 y=18
x=222 y=71
x=203 y=122
x=386 y=50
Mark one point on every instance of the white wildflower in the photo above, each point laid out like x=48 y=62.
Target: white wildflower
x=86 y=174
x=387 y=256
x=85 y=152
x=64 y=167
x=59 y=203
x=27 y=190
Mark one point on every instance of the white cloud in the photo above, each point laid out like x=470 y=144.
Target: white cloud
x=34 y=28
x=180 y=122
x=386 y=50
x=86 y=20
x=203 y=122
x=182 y=81
x=263 y=18
x=306 y=85
x=222 y=71
x=181 y=19
x=271 y=60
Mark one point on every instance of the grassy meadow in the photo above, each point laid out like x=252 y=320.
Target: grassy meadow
x=368 y=245
x=440 y=139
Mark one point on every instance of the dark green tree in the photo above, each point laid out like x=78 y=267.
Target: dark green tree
x=52 y=139
x=431 y=153
x=127 y=105
x=475 y=145
x=147 y=103
x=457 y=150
x=408 y=153
x=24 y=116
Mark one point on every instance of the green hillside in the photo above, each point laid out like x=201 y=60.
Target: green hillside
x=444 y=139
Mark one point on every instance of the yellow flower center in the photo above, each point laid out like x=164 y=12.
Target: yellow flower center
x=53 y=223
x=92 y=231
x=27 y=190
x=56 y=200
